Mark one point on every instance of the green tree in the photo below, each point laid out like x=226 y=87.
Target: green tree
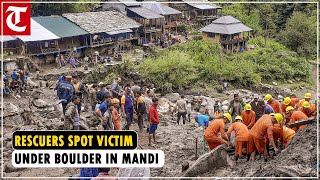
x=300 y=34
x=47 y=9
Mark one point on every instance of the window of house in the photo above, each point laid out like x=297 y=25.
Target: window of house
x=212 y=35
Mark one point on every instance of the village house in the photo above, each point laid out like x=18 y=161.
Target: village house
x=202 y=12
x=110 y=31
x=171 y=16
x=152 y=23
x=229 y=32
x=119 y=5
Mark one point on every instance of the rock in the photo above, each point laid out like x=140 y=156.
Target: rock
x=225 y=103
x=274 y=83
x=12 y=108
x=8 y=168
x=133 y=172
x=173 y=97
x=39 y=103
x=214 y=159
x=289 y=81
x=302 y=87
x=185 y=166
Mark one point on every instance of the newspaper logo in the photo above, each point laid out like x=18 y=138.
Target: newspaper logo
x=16 y=19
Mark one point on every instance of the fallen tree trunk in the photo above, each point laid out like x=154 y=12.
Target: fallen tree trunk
x=302 y=122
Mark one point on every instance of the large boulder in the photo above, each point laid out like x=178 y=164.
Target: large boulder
x=173 y=97
x=214 y=159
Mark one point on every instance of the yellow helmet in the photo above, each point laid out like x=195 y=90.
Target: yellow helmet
x=228 y=116
x=115 y=101
x=267 y=97
x=238 y=118
x=307 y=95
x=287 y=101
x=289 y=108
x=248 y=107
x=306 y=104
x=279 y=117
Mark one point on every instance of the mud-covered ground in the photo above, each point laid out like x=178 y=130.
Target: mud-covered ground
x=181 y=143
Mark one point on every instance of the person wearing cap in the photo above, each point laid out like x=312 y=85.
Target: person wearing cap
x=115 y=113
x=236 y=106
x=257 y=106
x=261 y=130
x=203 y=120
x=295 y=116
x=307 y=98
x=273 y=103
x=242 y=136
x=141 y=110
x=216 y=127
x=127 y=107
x=72 y=114
x=289 y=102
x=306 y=109
x=248 y=116
x=65 y=90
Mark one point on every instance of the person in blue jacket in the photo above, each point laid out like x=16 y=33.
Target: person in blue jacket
x=65 y=91
x=203 y=120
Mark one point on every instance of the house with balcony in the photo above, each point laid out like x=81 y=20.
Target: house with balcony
x=152 y=23
x=110 y=31
x=229 y=32
x=119 y=5
x=201 y=12
x=171 y=16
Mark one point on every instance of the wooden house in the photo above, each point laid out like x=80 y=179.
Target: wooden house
x=171 y=16
x=119 y=5
x=229 y=32
x=202 y=12
x=109 y=30
x=152 y=23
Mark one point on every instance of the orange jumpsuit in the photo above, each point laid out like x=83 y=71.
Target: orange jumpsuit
x=248 y=118
x=116 y=119
x=288 y=135
x=275 y=106
x=211 y=134
x=296 y=116
x=307 y=112
x=262 y=128
x=293 y=103
x=242 y=136
x=312 y=106
x=277 y=134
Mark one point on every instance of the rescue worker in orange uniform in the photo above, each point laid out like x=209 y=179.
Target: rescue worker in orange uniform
x=214 y=128
x=242 y=136
x=257 y=137
x=295 y=116
x=307 y=98
x=248 y=116
x=273 y=103
x=287 y=136
x=294 y=102
x=277 y=133
x=115 y=113
x=306 y=109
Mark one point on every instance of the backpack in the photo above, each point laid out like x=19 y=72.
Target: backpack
x=65 y=91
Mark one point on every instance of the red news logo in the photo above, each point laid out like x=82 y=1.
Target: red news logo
x=16 y=18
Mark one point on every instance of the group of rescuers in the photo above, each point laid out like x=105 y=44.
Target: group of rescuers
x=256 y=126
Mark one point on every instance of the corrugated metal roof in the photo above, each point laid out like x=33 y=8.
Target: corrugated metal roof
x=38 y=33
x=60 y=26
x=102 y=21
x=226 y=25
x=161 y=9
x=7 y=38
x=202 y=4
x=130 y=2
x=120 y=31
x=145 y=13
x=226 y=20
